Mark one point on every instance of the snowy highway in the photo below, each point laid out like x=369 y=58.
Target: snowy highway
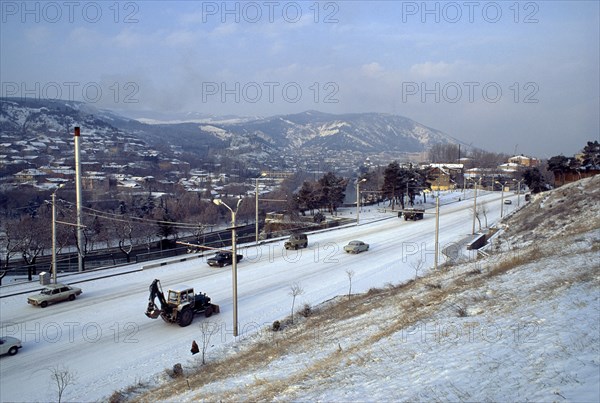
x=104 y=339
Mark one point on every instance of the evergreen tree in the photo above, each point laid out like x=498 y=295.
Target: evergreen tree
x=534 y=179
x=391 y=185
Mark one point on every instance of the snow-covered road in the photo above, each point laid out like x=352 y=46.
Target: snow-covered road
x=107 y=342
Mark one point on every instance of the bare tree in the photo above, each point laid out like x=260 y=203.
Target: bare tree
x=417 y=266
x=123 y=230
x=62 y=378
x=484 y=211
x=477 y=216
x=10 y=244
x=295 y=290
x=350 y=274
x=207 y=329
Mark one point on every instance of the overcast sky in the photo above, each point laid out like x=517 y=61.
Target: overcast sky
x=503 y=76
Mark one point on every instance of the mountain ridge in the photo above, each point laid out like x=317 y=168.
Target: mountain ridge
x=272 y=139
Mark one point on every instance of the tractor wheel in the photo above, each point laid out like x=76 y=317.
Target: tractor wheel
x=209 y=311
x=185 y=317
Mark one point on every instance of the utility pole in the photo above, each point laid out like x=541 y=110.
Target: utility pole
x=501 y=198
x=358 y=198
x=78 y=200
x=437 y=231
x=263 y=174
x=475 y=205
x=54 y=236
x=219 y=202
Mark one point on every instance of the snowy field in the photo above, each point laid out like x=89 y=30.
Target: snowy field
x=106 y=342
x=105 y=339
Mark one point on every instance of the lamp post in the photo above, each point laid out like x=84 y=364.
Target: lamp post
x=475 y=204
x=518 y=191
x=437 y=232
x=407 y=182
x=501 y=198
x=358 y=198
x=54 y=232
x=263 y=174
x=219 y=202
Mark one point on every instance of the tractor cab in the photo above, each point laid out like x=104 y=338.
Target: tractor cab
x=180 y=295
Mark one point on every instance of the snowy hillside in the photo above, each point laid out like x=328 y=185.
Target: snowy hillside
x=372 y=132
x=523 y=324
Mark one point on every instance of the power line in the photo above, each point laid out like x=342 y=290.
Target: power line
x=119 y=218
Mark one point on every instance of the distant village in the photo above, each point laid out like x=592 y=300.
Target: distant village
x=124 y=164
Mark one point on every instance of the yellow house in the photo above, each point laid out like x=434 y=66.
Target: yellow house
x=440 y=179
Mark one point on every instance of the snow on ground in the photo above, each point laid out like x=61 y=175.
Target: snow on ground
x=104 y=339
x=523 y=324
x=531 y=333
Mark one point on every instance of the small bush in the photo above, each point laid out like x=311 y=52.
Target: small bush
x=461 y=311
x=176 y=372
x=276 y=326
x=306 y=311
x=116 y=397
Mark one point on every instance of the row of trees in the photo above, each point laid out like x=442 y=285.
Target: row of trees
x=327 y=193
x=451 y=153
x=559 y=166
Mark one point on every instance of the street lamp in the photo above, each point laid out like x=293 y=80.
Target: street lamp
x=437 y=232
x=407 y=182
x=358 y=198
x=475 y=202
x=54 y=232
x=263 y=174
x=518 y=191
x=219 y=202
x=501 y=198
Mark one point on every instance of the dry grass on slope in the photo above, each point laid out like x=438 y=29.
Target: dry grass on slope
x=567 y=210
x=413 y=302
x=318 y=335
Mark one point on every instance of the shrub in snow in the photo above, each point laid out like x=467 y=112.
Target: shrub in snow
x=306 y=311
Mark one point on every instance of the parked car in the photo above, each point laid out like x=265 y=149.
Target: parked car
x=296 y=241
x=221 y=259
x=54 y=293
x=9 y=345
x=507 y=201
x=356 y=247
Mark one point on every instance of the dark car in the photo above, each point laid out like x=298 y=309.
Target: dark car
x=296 y=241
x=221 y=259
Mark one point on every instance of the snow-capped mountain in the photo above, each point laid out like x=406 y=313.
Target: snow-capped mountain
x=250 y=139
x=367 y=132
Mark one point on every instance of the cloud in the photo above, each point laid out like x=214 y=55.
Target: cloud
x=38 y=36
x=181 y=38
x=373 y=69
x=128 y=39
x=432 y=69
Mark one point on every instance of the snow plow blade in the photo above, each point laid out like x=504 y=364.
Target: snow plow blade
x=216 y=308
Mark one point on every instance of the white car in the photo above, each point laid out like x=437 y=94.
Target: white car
x=54 y=293
x=9 y=345
x=356 y=247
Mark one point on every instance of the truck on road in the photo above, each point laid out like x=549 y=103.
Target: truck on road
x=413 y=214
